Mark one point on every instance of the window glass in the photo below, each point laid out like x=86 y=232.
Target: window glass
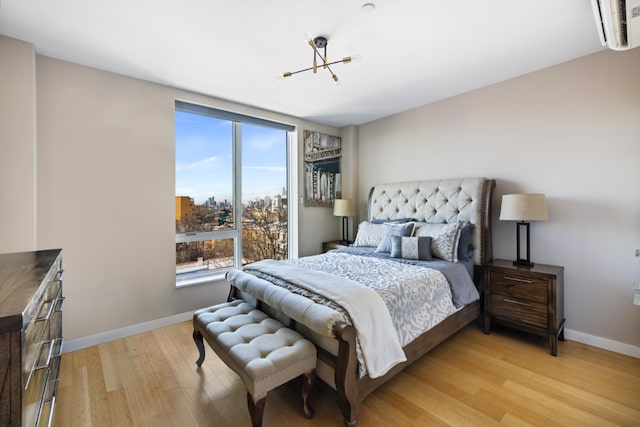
x=204 y=173
x=231 y=191
x=264 y=196
x=203 y=256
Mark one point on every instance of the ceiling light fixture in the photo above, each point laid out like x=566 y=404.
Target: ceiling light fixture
x=317 y=43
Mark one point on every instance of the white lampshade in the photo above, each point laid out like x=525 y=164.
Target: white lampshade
x=343 y=207
x=524 y=207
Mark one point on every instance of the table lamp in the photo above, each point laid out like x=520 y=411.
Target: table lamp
x=523 y=208
x=343 y=208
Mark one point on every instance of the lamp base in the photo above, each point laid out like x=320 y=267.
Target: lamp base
x=522 y=263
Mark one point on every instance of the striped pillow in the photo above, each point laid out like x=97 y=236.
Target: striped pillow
x=444 y=244
x=411 y=247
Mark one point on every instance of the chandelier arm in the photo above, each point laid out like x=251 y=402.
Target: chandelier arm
x=311 y=68
x=317 y=52
x=333 y=75
x=299 y=71
x=338 y=62
x=324 y=58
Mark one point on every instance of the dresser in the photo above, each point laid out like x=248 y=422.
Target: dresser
x=31 y=303
x=527 y=298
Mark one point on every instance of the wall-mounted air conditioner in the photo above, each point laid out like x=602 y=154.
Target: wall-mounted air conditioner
x=618 y=23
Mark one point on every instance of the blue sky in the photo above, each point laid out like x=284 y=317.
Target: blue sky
x=204 y=159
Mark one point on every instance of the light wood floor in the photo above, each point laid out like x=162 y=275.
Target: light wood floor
x=472 y=379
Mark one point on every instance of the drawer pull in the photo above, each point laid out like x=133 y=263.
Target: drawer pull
x=52 y=403
x=47 y=316
x=60 y=302
x=50 y=355
x=42 y=399
x=52 y=304
x=517 y=279
x=58 y=277
x=512 y=301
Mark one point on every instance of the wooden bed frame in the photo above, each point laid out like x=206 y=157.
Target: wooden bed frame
x=351 y=388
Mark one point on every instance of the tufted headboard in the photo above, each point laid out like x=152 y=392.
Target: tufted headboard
x=441 y=201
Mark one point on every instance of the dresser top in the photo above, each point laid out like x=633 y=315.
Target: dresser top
x=21 y=275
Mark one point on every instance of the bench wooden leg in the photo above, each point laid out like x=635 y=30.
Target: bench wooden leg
x=197 y=338
x=256 y=409
x=309 y=380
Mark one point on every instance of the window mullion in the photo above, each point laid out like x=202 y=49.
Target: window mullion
x=237 y=192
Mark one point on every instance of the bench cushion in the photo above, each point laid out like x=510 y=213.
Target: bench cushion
x=264 y=352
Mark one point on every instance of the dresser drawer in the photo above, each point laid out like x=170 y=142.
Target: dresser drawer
x=33 y=338
x=39 y=330
x=32 y=397
x=518 y=287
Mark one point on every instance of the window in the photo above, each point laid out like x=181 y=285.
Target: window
x=231 y=191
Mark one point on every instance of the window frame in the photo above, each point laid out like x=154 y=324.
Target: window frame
x=237 y=120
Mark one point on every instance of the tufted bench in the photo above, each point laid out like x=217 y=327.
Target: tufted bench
x=260 y=349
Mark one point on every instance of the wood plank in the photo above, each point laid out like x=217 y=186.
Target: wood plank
x=471 y=379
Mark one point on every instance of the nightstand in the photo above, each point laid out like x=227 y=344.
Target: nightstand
x=334 y=244
x=529 y=299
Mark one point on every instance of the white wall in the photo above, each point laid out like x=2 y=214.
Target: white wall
x=17 y=146
x=571 y=131
x=105 y=193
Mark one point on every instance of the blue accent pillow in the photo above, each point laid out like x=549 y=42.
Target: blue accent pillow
x=465 y=243
x=405 y=229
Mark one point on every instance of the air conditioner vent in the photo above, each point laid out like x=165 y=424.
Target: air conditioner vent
x=618 y=23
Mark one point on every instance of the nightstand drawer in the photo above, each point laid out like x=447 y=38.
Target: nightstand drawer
x=519 y=310
x=518 y=287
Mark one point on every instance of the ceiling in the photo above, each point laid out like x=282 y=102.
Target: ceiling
x=412 y=52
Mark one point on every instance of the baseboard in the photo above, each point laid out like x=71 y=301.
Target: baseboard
x=604 y=343
x=127 y=331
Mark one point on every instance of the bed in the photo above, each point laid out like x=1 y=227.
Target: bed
x=344 y=319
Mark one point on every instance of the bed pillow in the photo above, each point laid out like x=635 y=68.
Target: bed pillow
x=405 y=229
x=369 y=234
x=411 y=247
x=465 y=243
x=444 y=239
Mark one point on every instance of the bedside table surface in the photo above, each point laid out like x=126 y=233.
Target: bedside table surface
x=537 y=268
x=334 y=244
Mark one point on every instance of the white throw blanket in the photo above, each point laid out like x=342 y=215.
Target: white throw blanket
x=379 y=342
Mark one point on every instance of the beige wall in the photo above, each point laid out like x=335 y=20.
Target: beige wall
x=17 y=146
x=104 y=140
x=571 y=131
